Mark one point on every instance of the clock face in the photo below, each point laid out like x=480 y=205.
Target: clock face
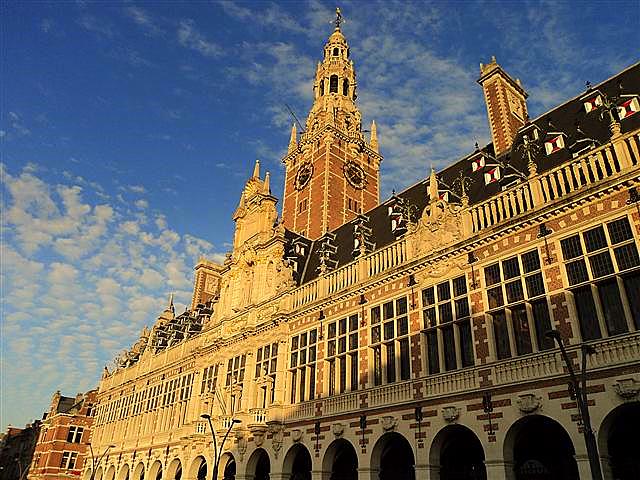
x=304 y=175
x=354 y=175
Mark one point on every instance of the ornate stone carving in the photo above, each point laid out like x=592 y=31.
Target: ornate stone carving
x=450 y=413
x=277 y=438
x=241 y=442
x=337 y=429
x=529 y=402
x=627 y=388
x=296 y=435
x=258 y=435
x=389 y=423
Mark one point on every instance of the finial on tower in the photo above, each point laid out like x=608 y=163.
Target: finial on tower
x=433 y=186
x=293 y=142
x=171 y=307
x=266 y=188
x=256 y=170
x=339 y=18
x=374 y=136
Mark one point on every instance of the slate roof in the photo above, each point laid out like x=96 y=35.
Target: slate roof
x=579 y=127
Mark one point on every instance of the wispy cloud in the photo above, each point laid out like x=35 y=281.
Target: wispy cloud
x=190 y=37
x=96 y=25
x=145 y=20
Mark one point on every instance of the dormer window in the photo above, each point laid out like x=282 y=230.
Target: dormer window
x=333 y=84
x=336 y=52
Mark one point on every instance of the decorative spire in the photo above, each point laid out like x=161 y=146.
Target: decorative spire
x=374 y=136
x=293 y=142
x=171 y=307
x=256 y=170
x=266 y=189
x=433 y=186
x=339 y=19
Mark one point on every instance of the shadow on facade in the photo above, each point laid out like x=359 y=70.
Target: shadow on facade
x=614 y=441
x=458 y=452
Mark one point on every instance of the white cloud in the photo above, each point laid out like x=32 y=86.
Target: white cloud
x=144 y=19
x=190 y=37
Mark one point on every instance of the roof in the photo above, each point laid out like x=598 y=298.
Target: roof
x=578 y=128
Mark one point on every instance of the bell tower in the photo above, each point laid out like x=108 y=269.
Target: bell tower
x=332 y=173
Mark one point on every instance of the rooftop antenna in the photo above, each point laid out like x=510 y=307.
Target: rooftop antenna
x=295 y=118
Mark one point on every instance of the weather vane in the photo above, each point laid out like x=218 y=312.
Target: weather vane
x=461 y=184
x=339 y=18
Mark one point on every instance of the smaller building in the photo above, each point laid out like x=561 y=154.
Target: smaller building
x=16 y=450
x=63 y=444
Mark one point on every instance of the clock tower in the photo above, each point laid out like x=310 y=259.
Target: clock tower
x=332 y=173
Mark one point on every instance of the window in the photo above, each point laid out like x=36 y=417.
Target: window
x=345 y=87
x=303 y=366
x=333 y=84
x=353 y=205
x=75 y=434
x=68 y=460
x=302 y=206
x=336 y=52
x=604 y=279
x=342 y=354
x=266 y=366
x=447 y=325
x=518 y=305
x=321 y=87
x=90 y=410
x=390 y=342
x=235 y=377
x=209 y=379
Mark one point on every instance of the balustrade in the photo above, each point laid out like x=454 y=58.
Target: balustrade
x=258 y=415
x=391 y=394
x=342 y=403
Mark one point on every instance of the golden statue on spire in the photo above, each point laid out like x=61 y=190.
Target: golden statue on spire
x=339 y=18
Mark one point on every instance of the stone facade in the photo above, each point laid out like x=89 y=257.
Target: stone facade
x=425 y=340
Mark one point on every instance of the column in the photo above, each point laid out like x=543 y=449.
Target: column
x=319 y=475
x=366 y=473
x=584 y=469
x=248 y=398
x=497 y=469
x=428 y=472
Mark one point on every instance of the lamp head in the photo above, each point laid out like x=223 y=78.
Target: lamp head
x=363 y=299
x=412 y=281
x=235 y=420
x=554 y=334
x=205 y=416
x=321 y=316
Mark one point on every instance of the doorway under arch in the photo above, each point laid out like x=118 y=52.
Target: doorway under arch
x=227 y=466
x=174 y=470
x=340 y=461
x=111 y=473
x=445 y=451
x=198 y=468
x=297 y=463
x=138 y=472
x=259 y=464
x=621 y=424
x=392 y=458
x=124 y=472
x=155 y=472
x=539 y=448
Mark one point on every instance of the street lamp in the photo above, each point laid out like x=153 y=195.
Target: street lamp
x=95 y=465
x=580 y=391
x=217 y=454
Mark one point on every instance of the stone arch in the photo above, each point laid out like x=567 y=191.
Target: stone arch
x=297 y=463
x=138 y=472
x=111 y=473
x=259 y=465
x=340 y=461
x=155 y=471
x=87 y=474
x=620 y=458
x=199 y=468
x=445 y=458
x=99 y=473
x=538 y=447
x=174 y=470
x=124 y=473
x=227 y=467
x=392 y=458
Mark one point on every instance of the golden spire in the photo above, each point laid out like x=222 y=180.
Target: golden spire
x=256 y=170
x=293 y=142
x=374 y=136
x=339 y=19
x=433 y=186
x=266 y=189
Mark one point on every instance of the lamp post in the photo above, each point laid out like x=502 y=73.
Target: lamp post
x=580 y=391
x=218 y=453
x=95 y=465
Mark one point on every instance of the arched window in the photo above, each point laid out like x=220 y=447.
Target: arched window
x=321 y=87
x=333 y=84
x=336 y=52
x=345 y=87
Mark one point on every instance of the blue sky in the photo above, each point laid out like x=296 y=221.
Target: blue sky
x=128 y=129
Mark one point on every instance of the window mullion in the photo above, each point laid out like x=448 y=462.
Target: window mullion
x=604 y=332
x=625 y=304
x=512 y=338
x=532 y=328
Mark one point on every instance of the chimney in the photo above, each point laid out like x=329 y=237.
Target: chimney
x=506 y=104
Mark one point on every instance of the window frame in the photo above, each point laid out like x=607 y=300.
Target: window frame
x=302 y=376
x=340 y=365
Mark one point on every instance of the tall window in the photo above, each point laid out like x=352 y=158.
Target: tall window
x=303 y=366
x=68 y=460
x=518 y=305
x=209 y=379
x=390 y=342
x=235 y=370
x=75 y=434
x=333 y=84
x=345 y=87
x=447 y=325
x=342 y=354
x=266 y=366
x=602 y=267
